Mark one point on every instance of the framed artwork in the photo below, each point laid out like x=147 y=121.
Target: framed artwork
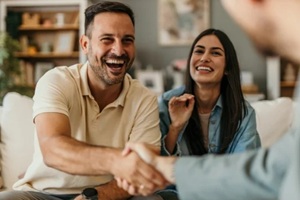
x=181 y=21
x=64 y=42
x=41 y=68
x=151 y=79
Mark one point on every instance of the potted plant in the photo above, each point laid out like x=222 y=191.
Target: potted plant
x=9 y=67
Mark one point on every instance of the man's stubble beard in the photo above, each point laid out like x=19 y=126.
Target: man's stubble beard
x=101 y=73
x=100 y=69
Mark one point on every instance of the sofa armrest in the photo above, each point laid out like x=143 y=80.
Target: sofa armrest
x=273 y=118
x=17 y=133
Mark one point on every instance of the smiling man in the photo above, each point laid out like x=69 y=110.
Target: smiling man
x=84 y=114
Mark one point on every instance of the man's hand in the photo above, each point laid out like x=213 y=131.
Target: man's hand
x=138 y=173
x=149 y=154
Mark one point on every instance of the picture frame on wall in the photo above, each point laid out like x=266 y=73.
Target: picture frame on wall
x=152 y=79
x=64 y=42
x=180 y=21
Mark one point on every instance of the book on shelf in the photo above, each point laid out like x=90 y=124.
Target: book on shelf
x=41 y=68
x=25 y=77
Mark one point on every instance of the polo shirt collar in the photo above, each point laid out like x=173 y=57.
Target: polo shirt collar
x=84 y=80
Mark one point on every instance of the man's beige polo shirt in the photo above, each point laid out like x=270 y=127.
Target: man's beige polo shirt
x=132 y=117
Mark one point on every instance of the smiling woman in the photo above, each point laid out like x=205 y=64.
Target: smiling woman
x=208 y=114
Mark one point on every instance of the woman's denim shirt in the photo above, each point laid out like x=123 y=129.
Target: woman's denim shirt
x=245 y=138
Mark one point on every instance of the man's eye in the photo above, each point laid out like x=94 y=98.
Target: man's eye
x=106 y=40
x=128 y=40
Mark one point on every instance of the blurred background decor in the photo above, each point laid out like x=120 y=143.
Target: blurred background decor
x=10 y=67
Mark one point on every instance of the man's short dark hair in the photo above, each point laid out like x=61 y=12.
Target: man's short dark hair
x=105 y=6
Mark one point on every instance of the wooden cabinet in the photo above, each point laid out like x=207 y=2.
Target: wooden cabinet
x=48 y=32
x=281 y=77
x=288 y=78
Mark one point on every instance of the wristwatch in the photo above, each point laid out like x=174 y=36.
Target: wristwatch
x=90 y=194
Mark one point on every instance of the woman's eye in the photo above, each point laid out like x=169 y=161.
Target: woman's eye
x=216 y=53
x=199 y=51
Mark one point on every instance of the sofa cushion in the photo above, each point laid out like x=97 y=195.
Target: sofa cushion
x=273 y=118
x=1 y=180
x=16 y=136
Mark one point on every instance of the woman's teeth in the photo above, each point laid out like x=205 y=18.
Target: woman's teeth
x=203 y=68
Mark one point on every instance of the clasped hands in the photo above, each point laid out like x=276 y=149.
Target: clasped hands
x=161 y=172
x=153 y=180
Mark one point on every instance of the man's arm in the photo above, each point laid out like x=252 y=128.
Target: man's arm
x=256 y=174
x=66 y=154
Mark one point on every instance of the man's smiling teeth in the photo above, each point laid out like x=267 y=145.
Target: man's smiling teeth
x=204 y=68
x=113 y=61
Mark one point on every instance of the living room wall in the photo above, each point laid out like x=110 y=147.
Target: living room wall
x=149 y=52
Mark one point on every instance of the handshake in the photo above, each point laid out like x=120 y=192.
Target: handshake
x=152 y=172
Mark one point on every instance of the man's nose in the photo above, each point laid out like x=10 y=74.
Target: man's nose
x=118 y=48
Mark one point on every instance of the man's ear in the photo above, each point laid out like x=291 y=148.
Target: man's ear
x=84 y=43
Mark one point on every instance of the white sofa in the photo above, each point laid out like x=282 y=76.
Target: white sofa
x=16 y=146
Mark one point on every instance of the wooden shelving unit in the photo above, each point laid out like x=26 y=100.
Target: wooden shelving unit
x=74 y=54
x=49 y=28
x=40 y=28
x=281 y=77
x=287 y=88
x=288 y=71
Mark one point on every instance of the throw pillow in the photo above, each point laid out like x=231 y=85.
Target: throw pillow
x=1 y=180
x=17 y=132
x=273 y=118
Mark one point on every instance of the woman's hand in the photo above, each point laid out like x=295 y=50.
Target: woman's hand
x=180 y=109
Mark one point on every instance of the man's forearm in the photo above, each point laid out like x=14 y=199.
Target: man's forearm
x=111 y=191
x=72 y=156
